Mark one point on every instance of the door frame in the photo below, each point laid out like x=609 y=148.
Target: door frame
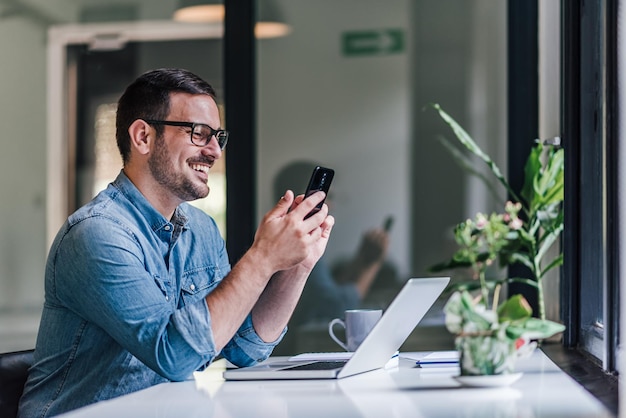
x=61 y=92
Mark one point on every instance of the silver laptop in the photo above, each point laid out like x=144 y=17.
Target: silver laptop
x=392 y=329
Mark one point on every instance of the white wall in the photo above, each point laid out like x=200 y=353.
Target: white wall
x=349 y=113
x=23 y=162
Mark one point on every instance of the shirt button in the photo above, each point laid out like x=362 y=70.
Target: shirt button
x=167 y=298
x=192 y=287
x=167 y=227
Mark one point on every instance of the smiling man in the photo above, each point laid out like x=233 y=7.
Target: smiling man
x=138 y=287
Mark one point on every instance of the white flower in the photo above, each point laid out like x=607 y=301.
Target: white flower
x=481 y=221
x=516 y=224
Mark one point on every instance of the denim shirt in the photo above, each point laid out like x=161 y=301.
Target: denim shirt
x=125 y=303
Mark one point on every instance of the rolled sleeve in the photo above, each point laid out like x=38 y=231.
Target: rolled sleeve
x=247 y=348
x=193 y=323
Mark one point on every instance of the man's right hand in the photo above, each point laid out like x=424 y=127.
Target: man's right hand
x=286 y=239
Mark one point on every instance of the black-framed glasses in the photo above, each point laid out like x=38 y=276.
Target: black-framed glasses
x=200 y=133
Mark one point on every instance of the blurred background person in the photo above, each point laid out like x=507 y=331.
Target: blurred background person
x=331 y=290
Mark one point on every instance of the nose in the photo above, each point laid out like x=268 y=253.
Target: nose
x=212 y=149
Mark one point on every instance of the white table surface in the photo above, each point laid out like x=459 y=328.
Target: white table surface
x=405 y=391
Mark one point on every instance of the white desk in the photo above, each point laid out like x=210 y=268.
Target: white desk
x=543 y=391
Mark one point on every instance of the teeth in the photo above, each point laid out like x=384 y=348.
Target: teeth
x=200 y=167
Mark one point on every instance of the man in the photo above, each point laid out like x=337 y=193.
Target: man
x=138 y=286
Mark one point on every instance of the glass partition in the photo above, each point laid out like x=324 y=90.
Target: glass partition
x=345 y=87
x=349 y=88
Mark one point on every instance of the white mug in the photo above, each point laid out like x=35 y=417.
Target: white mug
x=358 y=323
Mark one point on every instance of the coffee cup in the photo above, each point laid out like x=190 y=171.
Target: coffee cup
x=357 y=324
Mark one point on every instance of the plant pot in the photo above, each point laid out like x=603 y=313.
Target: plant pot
x=484 y=355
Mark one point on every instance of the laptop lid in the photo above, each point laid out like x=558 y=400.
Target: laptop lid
x=398 y=321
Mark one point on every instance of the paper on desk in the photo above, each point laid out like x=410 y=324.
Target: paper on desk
x=435 y=359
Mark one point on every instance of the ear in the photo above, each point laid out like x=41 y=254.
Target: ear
x=141 y=136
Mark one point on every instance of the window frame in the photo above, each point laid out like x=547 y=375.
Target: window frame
x=240 y=103
x=590 y=274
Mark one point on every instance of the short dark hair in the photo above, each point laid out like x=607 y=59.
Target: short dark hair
x=148 y=97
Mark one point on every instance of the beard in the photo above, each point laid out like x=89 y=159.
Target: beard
x=165 y=174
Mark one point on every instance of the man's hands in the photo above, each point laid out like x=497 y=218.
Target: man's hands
x=292 y=245
x=287 y=240
x=269 y=278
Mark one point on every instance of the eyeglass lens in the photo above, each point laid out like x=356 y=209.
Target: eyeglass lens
x=202 y=134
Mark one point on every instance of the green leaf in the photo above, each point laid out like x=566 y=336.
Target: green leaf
x=534 y=329
x=531 y=170
x=554 y=263
x=521 y=258
x=554 y=175
x=514 y=309
x=549 y=240
x=465 y=139
x=549 y=182
x=524 y=280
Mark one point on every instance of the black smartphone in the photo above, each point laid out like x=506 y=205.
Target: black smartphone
x=388 y=223
x=320 y=180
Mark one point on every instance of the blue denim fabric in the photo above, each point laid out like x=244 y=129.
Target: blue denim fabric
x=125 y=303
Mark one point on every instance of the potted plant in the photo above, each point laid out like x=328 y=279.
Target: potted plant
x=491 y=335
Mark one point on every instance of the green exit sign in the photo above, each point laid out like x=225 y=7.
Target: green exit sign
x=372 y=42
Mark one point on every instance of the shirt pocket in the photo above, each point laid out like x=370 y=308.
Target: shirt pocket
x=198 y=283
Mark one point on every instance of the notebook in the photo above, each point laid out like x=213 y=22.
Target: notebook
x=398 y=321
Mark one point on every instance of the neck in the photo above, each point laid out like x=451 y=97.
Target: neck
x=163 y=201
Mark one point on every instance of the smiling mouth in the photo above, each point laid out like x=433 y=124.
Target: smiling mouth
x=201 y=168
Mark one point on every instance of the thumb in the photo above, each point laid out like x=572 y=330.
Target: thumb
x=283 y=205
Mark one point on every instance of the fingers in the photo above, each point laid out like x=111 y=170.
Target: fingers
x=282 y=207
x=285 y=239
x=304 y=206
x=299 y=199
x=286 y=200
x=327 y=226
